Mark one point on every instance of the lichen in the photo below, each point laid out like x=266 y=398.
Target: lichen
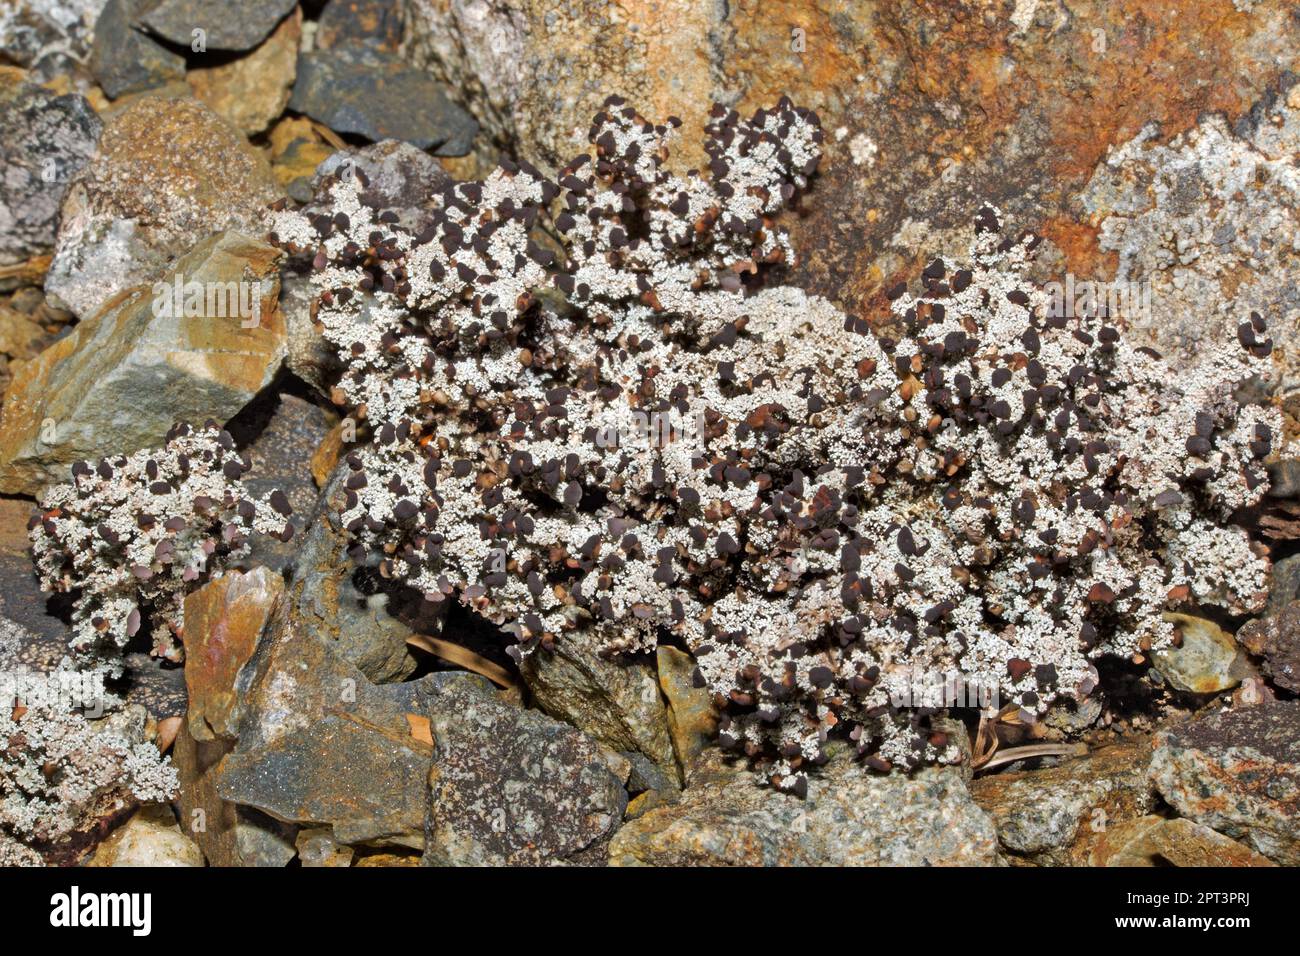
x=131 y=535
x=684 y=449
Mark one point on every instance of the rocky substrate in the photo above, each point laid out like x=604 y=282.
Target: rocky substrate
x=326 y=715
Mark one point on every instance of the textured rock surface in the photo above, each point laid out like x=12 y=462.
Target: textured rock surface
x=1277 y=640
x=150 y=838
x=251 y=91
x=126 y=60
x=1056 y=814
x=1207 y=661
x=235 y=25
x=167 y=174
x=38 y=32
x=617 y=702
x=356 y=89
x=850 y=818
x=1155 y=841
x=1237 y=772
x=377 y=23
x=328 y=605
x=45 y=140
x=120 y=380
x=512 y=786
x=403 y=180
x=692 y=721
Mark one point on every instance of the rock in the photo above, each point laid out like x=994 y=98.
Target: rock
x=289 y=429
x=1237 y=772
x=1284 y=478
x=320 y=745
x=328 y=605
x=376 y=23
x=167 y=174
x=317 y=847
x=1155 y=841
x=251 y=91
x=125 y=60
x=224 y=620
x=45 y=140
x=1284 y=584
x=388 y=859
x=229 y=835
x=355 y=89
x=511 y=786
x=1277 y=640
x=403 y=180
x=150 y=838
x=121 y=379
x=692 y=721
x=297 y=148
x=849 y=818
x=1207 y=661
x=238 y=25
x=617 y=702
x=537 y=71
x=46 y=33
x=653 y=784
x=1055 y=815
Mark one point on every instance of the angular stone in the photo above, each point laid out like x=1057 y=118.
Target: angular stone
x=288 y=429
x=125 y=60
x=310 y=356
x=1237 y=772
x=120 y=380
x=849 y=818
x=167 y=174
x=1155 y=841
x=511 y=786
x=402 y=180
x=229 y=835
x=328 y=605
x=354 y=89
x=317 y=847
x=617 y=702
x=45 y=140
x=1055 y=815
x=150 y=838
x=251 y=91
x=44 y=34
x=376 y=23
x=692 y=721
x=1277 y=640
x=1207 y=661
x=296 y=150
x=235 y=25
x=224 y=620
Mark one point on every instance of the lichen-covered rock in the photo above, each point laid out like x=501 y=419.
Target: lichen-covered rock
x=328 y=605
x=1156 y=841
x=615 y=701
x=152 y=357
x=235 y=25
x=849 y=818
x=150 y=838
x=1055 y=815
x=1276 y=639
x=126 y=60
x=513 y=787
x=1237 y=772
x=372 y=93
x=45 y=34
x=45 y=140
x=251 y=91
x=167 y=174
x=400 y=179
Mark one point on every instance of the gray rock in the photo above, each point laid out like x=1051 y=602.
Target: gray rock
x=125 y=60
x=376 y=23
x=45 y=140
x=310 y=356
x=371 y=93
x=328 y=605
x=403 y=180
x=1277 y=640
x=511 y=786
x=850 y=818
x=617 y=702
x=37 y=34
x=234 y=25
x=1238 y=772
x=1284 y=584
